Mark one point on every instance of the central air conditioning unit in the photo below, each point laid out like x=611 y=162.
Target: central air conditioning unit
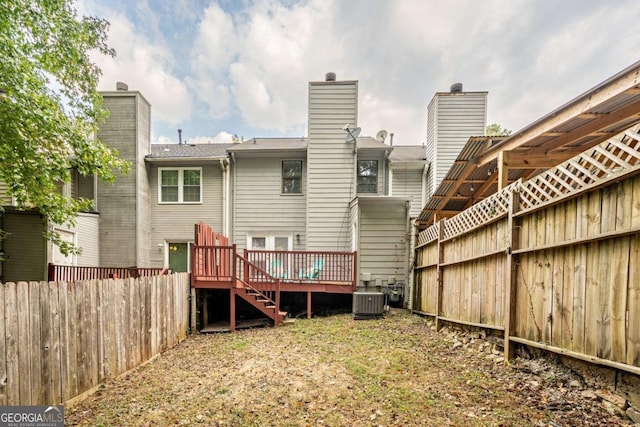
x=368 y=305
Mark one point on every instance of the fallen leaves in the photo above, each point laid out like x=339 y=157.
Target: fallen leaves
x=335 y=371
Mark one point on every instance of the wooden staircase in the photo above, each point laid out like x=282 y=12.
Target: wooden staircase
x=262 y=302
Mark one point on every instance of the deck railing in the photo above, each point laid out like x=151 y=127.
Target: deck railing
x=216 y=263
x=325 y=267
x=257 y=279
x=71 y=273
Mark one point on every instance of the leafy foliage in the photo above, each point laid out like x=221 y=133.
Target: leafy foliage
x=50 y=109
x=494 y=129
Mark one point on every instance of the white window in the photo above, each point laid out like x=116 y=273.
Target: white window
x=180 y=185
x=269 y=242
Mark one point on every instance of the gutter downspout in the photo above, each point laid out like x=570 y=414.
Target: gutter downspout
x=225 y=196
x=409 y=279
x=232 y=223
x=423 y=201
x=389 y=173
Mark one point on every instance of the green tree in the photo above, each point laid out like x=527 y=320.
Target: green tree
x=495 y=129
x=50 y=107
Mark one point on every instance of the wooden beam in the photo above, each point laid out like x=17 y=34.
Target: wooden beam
x=469 y=181
x=481 y=190
x=590 y=128
x=534 y=160
x=621 y=83
x=468 y=168
x=503 y=169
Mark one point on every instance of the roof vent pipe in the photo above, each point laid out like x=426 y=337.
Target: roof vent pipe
x=122 y=87
x=179 y=136
x=391 y=139
x=456 y=88
x=330 y=77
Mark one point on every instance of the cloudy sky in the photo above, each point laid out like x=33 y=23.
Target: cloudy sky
x=217 y=68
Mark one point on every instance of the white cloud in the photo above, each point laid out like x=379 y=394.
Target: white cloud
x=249 y=63
x=144 y=66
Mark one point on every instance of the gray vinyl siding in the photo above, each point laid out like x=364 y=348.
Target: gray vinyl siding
x=174 y=223
x=383 y=241
x=432 y=115
x=25 y=248
x=260 y=206
x=118 y=203
x=143 y=205
x=458 y=116
x=88 y=234
x=331 y=164
x=407 y=182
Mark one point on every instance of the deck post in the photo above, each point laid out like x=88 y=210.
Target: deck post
x=308 y=304
x=193 y=310
x=276 y=319
x=205 y=308
x=232 y=309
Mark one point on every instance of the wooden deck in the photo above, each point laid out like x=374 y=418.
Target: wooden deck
x=259 y=277
x=222 y=267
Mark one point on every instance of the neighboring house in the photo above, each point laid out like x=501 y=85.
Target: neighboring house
x=319 y=193
x=25 y=253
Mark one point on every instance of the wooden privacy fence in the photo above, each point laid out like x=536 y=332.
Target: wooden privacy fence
x=552 y=262
x=60 y=339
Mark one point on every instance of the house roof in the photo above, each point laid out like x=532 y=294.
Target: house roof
x=187 y=151
x=299 y=143
x=408 y=153
x=367 y=142
x=260 y=144
x=587 y=120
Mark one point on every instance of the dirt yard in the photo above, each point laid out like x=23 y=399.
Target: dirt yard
x=335 y=371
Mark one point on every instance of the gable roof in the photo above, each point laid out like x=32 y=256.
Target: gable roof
x=296 y=143
x=187 y=151
x=262 y=144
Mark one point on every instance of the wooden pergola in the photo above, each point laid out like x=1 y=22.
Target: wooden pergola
x=488 y=164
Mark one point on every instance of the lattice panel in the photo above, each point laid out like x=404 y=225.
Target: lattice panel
x=485 y=211
x=596 y=165
x=428 y=235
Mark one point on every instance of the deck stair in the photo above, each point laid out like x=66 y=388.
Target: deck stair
x=262 y=302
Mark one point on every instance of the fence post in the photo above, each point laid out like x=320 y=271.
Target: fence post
x=511 y=272
x=439 y=273
x=51 y=273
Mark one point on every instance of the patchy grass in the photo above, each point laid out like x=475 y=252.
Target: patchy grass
x=330 y=371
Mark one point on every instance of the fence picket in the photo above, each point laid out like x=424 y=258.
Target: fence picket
x=60 y=339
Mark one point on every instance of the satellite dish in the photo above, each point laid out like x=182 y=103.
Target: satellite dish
x=382 y=135
x=352 y=133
